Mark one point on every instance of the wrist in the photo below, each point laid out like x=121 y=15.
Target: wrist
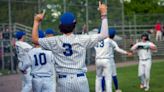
x=103 y=16
x=36 y=22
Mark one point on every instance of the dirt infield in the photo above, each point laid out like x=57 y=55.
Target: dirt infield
x=12 y=83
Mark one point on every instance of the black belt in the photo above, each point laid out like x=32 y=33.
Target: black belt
x=35 y=76
x=145 y=59
x=64 y=76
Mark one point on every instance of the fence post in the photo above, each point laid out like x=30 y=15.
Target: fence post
x=64 y=3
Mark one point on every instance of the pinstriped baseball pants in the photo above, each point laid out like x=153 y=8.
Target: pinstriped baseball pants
x=72 y=83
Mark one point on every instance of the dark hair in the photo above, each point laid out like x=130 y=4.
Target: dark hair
x=67 y=28
x=145 y=35
x=111 y=36
x=19 y=38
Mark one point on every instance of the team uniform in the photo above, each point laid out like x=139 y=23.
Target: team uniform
x=22 y=48
x=41 y=62
x=145 y=61
x=105 y=64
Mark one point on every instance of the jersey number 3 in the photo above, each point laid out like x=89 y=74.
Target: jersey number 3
x=68 y=49
x=40 y=59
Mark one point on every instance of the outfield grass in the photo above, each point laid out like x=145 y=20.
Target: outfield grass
x=129 y=82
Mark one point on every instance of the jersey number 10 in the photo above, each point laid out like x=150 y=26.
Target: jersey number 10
x=40 y=59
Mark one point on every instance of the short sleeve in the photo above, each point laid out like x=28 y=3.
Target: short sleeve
x=90 y=41
x=46 y=43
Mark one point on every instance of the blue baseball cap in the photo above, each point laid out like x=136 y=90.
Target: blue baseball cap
x=67 y=18
x=50 y=31
x=41 y=34
x=19 y=34
x=112 y=32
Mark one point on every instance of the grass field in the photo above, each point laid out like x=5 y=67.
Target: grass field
x=129 y=82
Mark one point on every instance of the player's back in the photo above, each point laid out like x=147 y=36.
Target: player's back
x=70 y=51
x=22 y=48
x=42 y=62
x=105 y=49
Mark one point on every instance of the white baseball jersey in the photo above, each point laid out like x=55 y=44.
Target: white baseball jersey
x=70 y=51
x=143 y=52
x=105 y=49
x=40 y=61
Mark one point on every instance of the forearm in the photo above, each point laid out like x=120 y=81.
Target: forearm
x=121 y=51
x=134 y=47
x=35 y=32
x=104 y=27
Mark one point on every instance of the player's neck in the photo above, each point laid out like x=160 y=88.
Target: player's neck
x=49 y=36
x=68 y=34
x=22 y=40
x=143 y=40
x=37 y=46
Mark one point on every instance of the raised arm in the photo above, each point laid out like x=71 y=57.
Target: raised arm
x=104 y=24
x=37 y=19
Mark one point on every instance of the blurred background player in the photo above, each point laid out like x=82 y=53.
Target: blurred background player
x=158 y=29
x=105 y=62
x=144 y=50
x=70 y=50
x=22 y=48
x=50 y=32
x=41 y=62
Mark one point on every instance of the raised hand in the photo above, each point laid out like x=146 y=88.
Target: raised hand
x=102 y=8
x=39 y=17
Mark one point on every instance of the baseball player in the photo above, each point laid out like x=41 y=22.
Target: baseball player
x=49 y=32
x=70 y=50
x=105 y=61
x=144 y=50
x=22 y=48
x=41 y=62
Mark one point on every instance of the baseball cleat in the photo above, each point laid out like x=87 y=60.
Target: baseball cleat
x=147 y=89
x=118 y=90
